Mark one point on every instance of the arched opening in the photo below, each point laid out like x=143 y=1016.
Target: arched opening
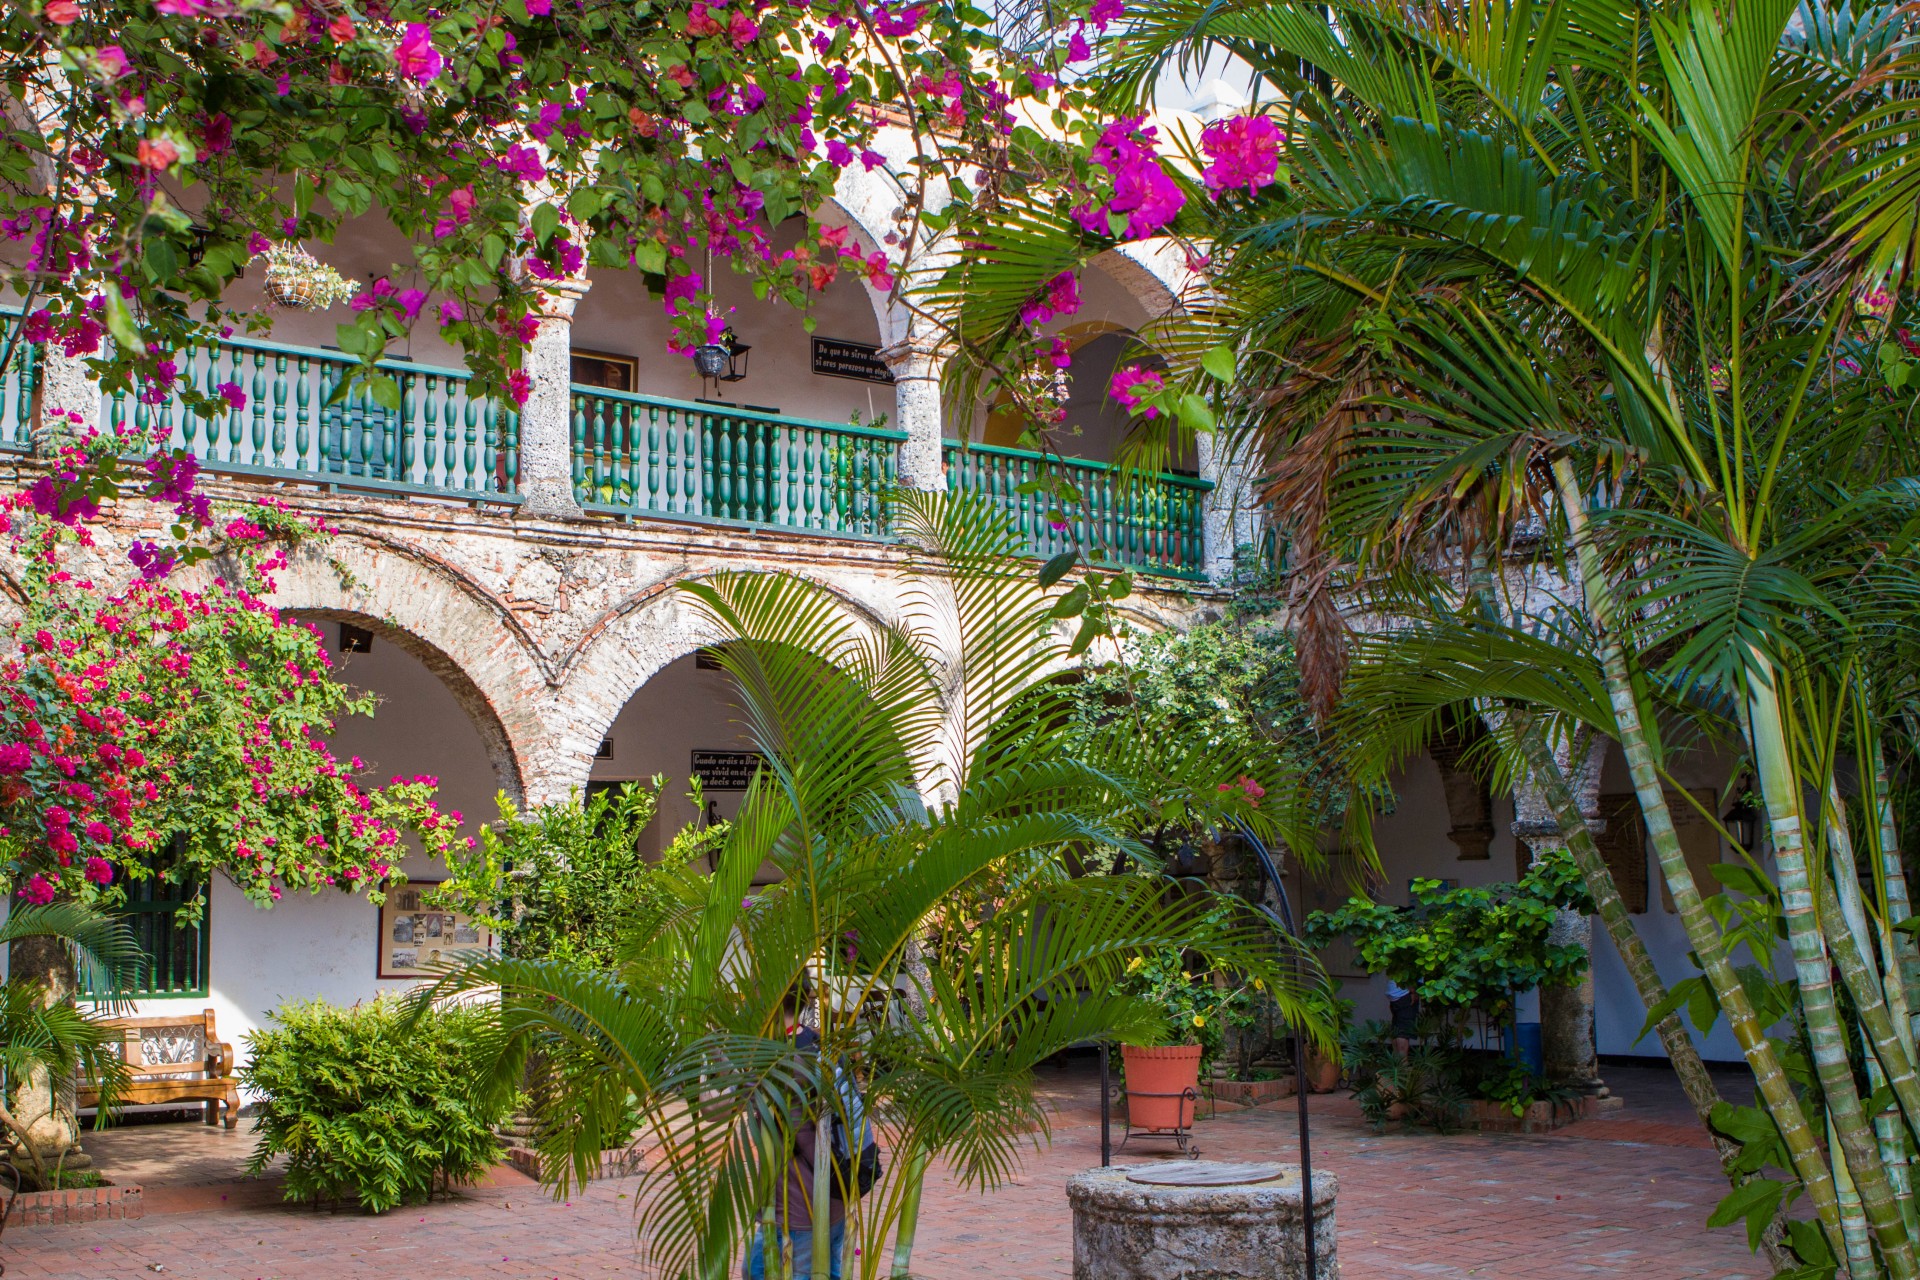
x=683 y=722
x=430 y=718
x=1095 y=425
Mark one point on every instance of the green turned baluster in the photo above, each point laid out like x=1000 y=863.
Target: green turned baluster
x=303 y=458
x=760 y=446
x=277 y=445
x=438 y=394
x=257 y=407
x=510 y=448
x=789 y=473
x=439 y=427
x=578 y=448
x=397 y=440
x=632 y=480
x=809 y=480
x=673 y=498
x=332 y=417
x=470 y=447
x=606 y=428
x=720 y=466
x=652 y=502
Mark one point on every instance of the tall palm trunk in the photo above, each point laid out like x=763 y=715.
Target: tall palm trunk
x=1694 y=1079
x=1826 y=1034
x=916 y=1176
x=1776 y=1090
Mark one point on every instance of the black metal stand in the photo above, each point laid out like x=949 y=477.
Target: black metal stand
x=1285 y=920
x=1181 y=1133
x=1106 y=1105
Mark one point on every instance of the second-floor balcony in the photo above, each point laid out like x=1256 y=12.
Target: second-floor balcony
x=633 y=455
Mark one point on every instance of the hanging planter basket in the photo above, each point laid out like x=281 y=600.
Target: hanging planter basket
x=298 y=281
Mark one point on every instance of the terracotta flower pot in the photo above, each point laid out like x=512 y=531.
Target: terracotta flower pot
x=1323 y=1074
x=1157 y=1080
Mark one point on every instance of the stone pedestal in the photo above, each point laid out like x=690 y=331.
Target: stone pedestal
x=1124 y=1230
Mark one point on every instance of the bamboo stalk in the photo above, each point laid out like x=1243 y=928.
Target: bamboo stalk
x=916 y=1175
x=1695 y=1080
x=1826 y=1034
x=1776 y=1090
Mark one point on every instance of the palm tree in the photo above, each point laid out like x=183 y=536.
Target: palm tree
x=45 y=1039
x=1612 y=268
x=929 y=809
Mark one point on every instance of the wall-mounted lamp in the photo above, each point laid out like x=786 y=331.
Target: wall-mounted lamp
x=1742 y=819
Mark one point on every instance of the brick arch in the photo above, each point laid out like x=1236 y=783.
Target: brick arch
x=622 y=650
x=452 y=626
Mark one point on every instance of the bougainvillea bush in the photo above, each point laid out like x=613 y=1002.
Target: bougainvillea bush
x=158 y=146
x=151 y=695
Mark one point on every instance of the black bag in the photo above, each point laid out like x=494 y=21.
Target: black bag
x=853 y=1177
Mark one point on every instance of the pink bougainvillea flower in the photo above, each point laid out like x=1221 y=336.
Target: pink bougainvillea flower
x=99 y=870
x=232 y=394
x=111 y=59
x=905 y=23
x=451 y=312
x=519 y=386
x=1143 y=194
x=181 y=8
x=157 y=153
x=1105 y=13
x=742 y=29
x=1245 y=152
x=539 y=8
x=38 y=891
x=1132 y=385
x=62 y=13
x=415 y=55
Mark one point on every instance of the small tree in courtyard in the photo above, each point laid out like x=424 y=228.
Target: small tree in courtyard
x=175 y=708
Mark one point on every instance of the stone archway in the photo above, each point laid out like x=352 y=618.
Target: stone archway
x=464 y=637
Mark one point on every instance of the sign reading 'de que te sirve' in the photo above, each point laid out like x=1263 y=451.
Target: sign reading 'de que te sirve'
x=726 y=770
x=833 y=358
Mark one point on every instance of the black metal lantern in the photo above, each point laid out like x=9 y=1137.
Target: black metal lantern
x=1742 y=819
x=723 y=361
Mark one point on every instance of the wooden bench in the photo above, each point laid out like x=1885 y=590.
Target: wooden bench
x=173 y=1058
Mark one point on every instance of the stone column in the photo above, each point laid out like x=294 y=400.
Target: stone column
x=546 y=420
x=917 y=411
x=1229 y=508
x=66 y=387
x=1566 y=1013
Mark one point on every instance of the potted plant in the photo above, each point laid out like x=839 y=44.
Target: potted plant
x=1162 y=1081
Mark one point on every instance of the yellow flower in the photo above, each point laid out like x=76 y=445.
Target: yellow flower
x=1135 y=963
x=1199 y=1021
x=1259 y=984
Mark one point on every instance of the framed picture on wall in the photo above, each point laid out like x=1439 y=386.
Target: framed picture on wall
x=416 y=940
x=605 y=369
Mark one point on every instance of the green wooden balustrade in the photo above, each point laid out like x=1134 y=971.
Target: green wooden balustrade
x=645 y=455
x=1151 y=522
x=17 y=379
x=441 y=440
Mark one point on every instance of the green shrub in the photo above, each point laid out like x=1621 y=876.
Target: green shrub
x=368 y=1105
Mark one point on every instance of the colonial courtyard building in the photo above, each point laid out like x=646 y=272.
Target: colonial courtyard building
x=505 y=582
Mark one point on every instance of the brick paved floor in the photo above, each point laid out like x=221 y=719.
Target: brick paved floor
x=1625 y=1197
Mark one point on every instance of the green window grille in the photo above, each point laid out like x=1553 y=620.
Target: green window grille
x=173 y=942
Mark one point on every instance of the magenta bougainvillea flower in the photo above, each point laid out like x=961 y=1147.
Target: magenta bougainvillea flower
x=1142 y=192
x=415 y=56
x=1245 y=151
x=1132 y=387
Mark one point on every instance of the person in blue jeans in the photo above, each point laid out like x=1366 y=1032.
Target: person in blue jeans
x=793 y=1219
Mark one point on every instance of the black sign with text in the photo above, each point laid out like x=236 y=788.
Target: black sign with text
x=833 y=358
x=726 y=770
